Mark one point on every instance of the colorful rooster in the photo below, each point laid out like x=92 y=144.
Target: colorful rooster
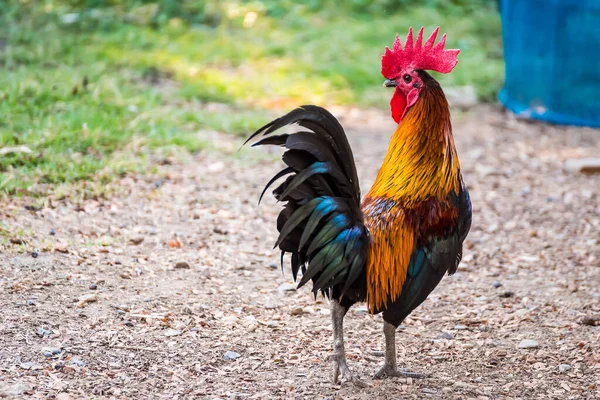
x=392 y=249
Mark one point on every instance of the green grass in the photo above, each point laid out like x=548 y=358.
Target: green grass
x=82 y=88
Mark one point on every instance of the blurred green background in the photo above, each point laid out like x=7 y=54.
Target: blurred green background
x=92 y=88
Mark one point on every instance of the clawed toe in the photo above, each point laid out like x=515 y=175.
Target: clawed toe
x=340 y=368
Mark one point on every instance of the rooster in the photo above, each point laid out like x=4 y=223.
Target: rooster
x=391 y=249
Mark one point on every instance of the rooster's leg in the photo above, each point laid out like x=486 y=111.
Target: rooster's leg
x=339 y=354
x=390 y=368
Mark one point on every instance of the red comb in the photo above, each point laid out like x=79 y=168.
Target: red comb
x=418 y=55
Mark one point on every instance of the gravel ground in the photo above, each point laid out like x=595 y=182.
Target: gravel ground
x=170 y=289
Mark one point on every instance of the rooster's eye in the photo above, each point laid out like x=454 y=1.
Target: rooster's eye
x=407 y=78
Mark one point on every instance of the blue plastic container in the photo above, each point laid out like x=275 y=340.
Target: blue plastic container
x=552 y=56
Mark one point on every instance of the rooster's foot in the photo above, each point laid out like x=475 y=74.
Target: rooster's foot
x=341 y=368
x=390 y=371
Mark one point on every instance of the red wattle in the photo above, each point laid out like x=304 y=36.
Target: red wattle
x=398 y=105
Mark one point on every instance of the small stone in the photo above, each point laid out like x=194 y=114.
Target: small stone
x=446 y=335
x=286 y=287
x=93 y=286
x=272 y=324
x=216 y=167
x=429 y=391
x=564 y=368
x=77 y=361
x=123 y=307
x=63 y=396
x=26 y=365
x=86 y=299
x=50 y=351
x=43 y=332
x=172 y=332
x=34 y=254
x=231 y=355
x=30 y=302
x=52 y=232
x=136 y=239
x=496 y=284
x=220 y=231
x=528 y=344
x=583 y=165
x=230 y=319
x=590 y=321
x=182 y=265
x=447 y=390
x=460 y=327
x=297 y=311
x=18 y=389
x=507 y=294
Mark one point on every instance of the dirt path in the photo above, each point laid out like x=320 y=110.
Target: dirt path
x=182 y=271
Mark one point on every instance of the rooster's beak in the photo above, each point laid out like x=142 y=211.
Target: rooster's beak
x=390 y=83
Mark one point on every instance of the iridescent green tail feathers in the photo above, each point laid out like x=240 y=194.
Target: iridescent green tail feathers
x=321 y=224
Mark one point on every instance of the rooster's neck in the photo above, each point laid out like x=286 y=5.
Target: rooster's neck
x=421 y=160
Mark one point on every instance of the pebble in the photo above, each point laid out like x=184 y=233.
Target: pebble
x=231 y=355
x=273 y=265
x=272 y=324
x=528 y=344
x=507 y=294
x=590 y=320
x=43 y=332
x=497 y=284
x=583 y=165
x=34 y=254
x=26 y=365
x=359 y=310
x=172 y=332
x=460 y=327
x=93 y=286
x=52 y=232
x=286 y=287
x=30 y=302
x=50 y=351
x=564 y=368
x=297 y=311
x=18 y=389
x=77 y=361
x=446 y=335
x=182 y=265
x=136 y=239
